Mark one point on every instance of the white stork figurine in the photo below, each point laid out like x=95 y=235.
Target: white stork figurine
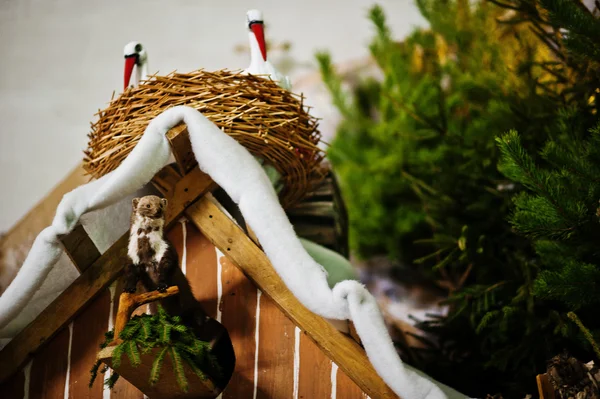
x=135 y=56
x=259 y=65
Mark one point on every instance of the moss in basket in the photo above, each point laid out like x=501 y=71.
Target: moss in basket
x=166 y=333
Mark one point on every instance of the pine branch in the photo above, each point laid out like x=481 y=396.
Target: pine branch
x=586 y=333
x=573 y=284
x=165 y=333
x=157 y=365
x=118 y=353
x=133 y=353
x=108 y=338
x=146 y=327
x=178 y=369
x=112 y=380
x=401 y=189
x=333 y=83
x=517 y=165
x=573 y=16
x=419 y=118
x=192 y=364
x=94 y=373
x=377 y=16
x=130 y=329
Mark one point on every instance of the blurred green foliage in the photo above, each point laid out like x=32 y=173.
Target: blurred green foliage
x=507 y=227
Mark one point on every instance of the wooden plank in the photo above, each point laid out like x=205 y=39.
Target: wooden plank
x=165 y=179
x=352 y=332
x=545 y=388
x=88 y=332
x=239 y=310
x=346 y=388
x=179 y=138
x=15 y=243
x=48 y=373
x=80 y=248
x=186 y=191
x=275 y=352
x=14 y=388
x=315 y=371
x=123 y=389
x=201 y=264
x=91 y=282
x=240 y=249
x=60 y=312
x=320 y=209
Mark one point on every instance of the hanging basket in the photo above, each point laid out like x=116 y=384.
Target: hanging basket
x=269 y=121
x=167 y=386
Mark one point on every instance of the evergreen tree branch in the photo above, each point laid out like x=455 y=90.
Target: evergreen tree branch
x=333 y=83
x=178 y=369
x=157 y=365
x=587 y=334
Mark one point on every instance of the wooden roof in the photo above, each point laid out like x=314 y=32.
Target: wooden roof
x=186 y=194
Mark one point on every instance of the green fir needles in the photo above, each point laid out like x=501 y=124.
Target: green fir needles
x=475 y=163
x=165 y=336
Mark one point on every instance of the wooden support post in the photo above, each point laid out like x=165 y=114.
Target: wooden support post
x=95 y=278
x=179 y=138
x=244 y=253
x=81 y=249
x=165 y=179
x=20 y=237
x=545 y=388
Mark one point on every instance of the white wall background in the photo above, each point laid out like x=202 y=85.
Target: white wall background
x=60 y=60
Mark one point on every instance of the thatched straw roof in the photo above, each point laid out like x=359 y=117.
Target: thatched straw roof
x=269 y=121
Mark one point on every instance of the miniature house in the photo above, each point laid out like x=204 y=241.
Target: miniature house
x=282 y=350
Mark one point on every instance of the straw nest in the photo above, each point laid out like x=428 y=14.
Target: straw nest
x=269 y=121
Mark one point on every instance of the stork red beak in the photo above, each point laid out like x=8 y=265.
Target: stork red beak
x=130 y=62
x=259 y=33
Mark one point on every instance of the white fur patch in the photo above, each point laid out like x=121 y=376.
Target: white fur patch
x=157 y=242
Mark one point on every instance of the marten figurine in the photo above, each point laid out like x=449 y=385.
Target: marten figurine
x=153 y=258
x=154 y=261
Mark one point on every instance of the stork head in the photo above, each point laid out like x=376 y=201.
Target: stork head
x=135 y=55
x=256 y=26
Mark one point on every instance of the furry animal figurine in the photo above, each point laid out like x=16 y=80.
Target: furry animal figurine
x=154 y=261
x=153 y=258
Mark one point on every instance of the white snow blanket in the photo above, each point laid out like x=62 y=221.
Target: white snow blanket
x=232 y=167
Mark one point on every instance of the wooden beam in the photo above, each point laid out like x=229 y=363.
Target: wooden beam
x=545 y=388
x=192 y=186
x=66 y=306
x=20 y=237
x=165 y=179
x=80 y=248
x=41 y=215
x=244 y=253
x=179 y=138
x=91 y=282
